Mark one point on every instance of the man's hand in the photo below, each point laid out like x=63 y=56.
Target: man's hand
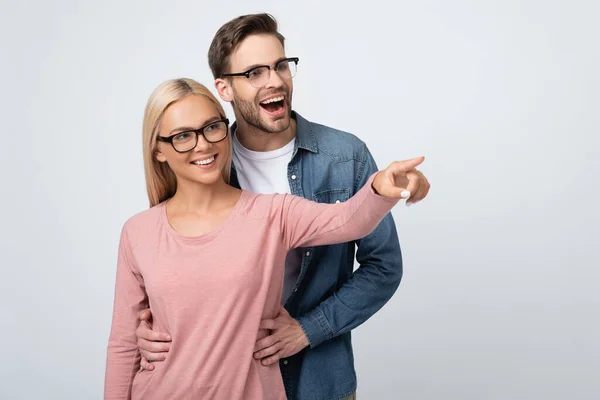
x=153 y=346
x=286 y=339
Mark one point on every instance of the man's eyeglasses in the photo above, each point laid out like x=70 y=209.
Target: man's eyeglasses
x=259 y=76
x=186 y=141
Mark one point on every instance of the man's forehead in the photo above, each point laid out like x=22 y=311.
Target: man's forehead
x=257 y=49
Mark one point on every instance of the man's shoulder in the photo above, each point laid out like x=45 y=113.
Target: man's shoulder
x=333 y=139
x=336 y=142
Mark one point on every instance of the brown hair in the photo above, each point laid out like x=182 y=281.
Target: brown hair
x=161 y=183
x=230 y=35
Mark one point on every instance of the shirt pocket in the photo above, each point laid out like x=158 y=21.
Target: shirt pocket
x=332 y=196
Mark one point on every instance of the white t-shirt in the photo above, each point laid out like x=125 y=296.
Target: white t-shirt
x=267 y=172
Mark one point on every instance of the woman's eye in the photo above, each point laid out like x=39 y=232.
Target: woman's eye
x=182 y=137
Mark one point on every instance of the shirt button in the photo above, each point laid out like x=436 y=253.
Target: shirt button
x=294 y=177
x=337 y=201
x=285 y=362
x=307 y=253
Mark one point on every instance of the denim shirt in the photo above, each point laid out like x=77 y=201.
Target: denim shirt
x=329 y=300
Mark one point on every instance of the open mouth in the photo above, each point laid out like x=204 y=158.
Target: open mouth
x=206 y=162
x=274 y=105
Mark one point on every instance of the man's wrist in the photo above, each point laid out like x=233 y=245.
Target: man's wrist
x=304 y=342
x=315 y=327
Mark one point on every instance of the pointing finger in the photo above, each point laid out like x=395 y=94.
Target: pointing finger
x=407 y=165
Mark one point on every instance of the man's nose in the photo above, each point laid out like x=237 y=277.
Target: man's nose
x=275 y=80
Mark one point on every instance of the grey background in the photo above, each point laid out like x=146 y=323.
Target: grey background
x=500 y=294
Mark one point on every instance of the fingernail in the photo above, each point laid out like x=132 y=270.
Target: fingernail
x=405 y=194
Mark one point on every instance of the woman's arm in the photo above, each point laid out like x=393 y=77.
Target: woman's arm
x=307 y=223
x=123 y=358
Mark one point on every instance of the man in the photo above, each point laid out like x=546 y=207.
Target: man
x=275 y=149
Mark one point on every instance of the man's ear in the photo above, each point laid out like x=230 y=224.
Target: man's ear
x=225 y=90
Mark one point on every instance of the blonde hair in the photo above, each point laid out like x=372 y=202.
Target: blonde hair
x=161 y=183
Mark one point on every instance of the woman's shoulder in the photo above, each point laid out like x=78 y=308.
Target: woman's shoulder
x=144 y=221
x=261 y=205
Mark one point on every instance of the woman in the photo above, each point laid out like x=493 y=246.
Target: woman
x=208 y=258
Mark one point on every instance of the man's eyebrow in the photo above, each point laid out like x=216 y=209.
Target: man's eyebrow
x=188 y=128
x=248 y=68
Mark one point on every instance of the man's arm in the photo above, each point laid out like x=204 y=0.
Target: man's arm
x=153 y=346
x=371 y=285
x=369 y=288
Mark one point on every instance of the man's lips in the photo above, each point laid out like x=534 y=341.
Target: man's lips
x=272 y=99
x=274 y=105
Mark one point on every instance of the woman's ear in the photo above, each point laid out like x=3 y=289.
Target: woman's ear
x=159 y=155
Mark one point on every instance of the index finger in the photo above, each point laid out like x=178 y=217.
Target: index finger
x=144 y=332
x=407 y=165
x=267 y=324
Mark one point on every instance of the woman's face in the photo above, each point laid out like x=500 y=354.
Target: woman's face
x=204 y=162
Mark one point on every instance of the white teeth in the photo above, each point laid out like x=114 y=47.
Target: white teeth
x=273 y=100
x=204 y=162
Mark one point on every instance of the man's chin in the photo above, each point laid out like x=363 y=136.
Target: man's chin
x=278 y=125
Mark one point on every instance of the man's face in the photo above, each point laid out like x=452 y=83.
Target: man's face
x=267 y=108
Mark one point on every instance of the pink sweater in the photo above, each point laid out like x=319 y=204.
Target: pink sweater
x=210 y=293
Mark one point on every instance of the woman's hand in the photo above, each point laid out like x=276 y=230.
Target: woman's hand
x=400 y=180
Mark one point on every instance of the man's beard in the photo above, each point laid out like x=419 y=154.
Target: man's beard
x=250 y=112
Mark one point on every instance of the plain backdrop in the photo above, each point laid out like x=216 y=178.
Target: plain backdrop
x=500 y=297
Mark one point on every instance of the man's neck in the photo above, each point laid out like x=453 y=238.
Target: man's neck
x=258 y=140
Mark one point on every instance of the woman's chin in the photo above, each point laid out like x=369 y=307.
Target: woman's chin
x=205 y=178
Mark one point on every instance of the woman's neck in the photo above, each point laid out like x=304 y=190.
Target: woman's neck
x=203 y=199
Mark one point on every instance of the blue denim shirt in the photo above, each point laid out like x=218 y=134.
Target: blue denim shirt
x=329 y=300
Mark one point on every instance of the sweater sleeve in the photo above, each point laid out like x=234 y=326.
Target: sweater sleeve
x=123 y=358
x=307 y=223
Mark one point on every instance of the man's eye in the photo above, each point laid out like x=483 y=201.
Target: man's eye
x=283 y=66
x=255 y=73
